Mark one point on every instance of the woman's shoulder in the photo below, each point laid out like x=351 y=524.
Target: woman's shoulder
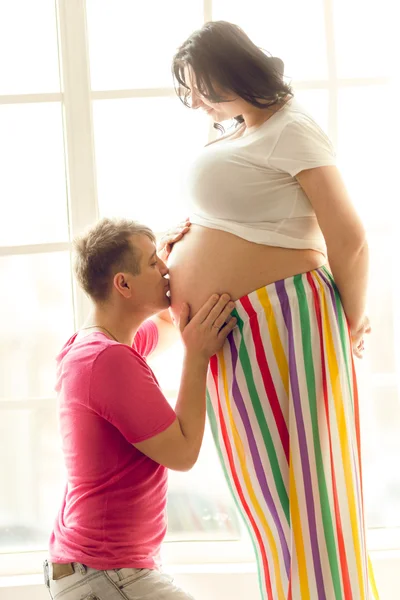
x=297 y=122
x=290 y=118
x=294 y=112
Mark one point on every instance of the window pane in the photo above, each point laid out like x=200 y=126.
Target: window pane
x=381 y=451
x=142 y=149
x=292 y=30
x=32 y=473
x=367 y=151
x=367 y=157
x=28 y=47
x=200 y=506
x=366 y=37
x=132 y=43
x=32 y=184
x=382 y=305
x=195 y=510
x=36 y=321
x=380 y=402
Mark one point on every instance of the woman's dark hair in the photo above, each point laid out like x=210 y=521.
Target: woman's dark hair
x=222 y=57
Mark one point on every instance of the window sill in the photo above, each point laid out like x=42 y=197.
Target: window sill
x=205 y=581
x=214 y=580
x=197 y=553
x=203 y=569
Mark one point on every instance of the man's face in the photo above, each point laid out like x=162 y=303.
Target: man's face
x=150 y=287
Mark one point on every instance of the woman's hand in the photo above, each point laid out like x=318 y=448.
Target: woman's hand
x=170 y=238
x=357 y=337
x=206 y=333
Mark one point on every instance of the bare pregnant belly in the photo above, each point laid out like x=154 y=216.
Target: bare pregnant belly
x=209 y=261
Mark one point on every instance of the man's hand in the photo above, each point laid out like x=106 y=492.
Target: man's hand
x=205 y=334
x=170 y=238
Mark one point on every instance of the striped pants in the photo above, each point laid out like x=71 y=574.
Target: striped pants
x=283 y=407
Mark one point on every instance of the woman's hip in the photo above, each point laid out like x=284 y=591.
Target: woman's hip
x=291 y=339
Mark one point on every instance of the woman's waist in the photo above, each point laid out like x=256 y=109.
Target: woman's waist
x=209 y=261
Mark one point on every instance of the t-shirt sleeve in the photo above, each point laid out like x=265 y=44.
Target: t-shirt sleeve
x=124 y=391
x=146 y=338
x=302 y=145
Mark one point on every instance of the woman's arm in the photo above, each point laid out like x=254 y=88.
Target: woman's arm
x=345 y=239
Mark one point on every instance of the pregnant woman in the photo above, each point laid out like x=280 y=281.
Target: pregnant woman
x=268 y=211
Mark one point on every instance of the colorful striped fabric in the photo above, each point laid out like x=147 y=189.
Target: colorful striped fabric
x=283 y=407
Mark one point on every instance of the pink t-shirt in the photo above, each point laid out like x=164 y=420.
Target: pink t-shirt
x=114 y=510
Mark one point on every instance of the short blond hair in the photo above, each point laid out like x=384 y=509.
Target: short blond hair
x=104 y=250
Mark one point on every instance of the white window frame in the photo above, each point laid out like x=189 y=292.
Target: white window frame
x=76 y=98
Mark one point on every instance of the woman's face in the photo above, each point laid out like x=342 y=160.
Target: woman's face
x=218 y=111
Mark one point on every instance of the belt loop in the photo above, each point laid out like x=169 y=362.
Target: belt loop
x=82 y=568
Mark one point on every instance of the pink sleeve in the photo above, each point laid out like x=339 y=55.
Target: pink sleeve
x=146 y=338
x=125 y=392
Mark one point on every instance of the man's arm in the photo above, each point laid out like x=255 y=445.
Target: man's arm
x=178 y=446
x=124 y=391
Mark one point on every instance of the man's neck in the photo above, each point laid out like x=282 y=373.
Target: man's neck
x=113 y=323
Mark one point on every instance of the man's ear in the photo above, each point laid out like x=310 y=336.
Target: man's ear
x=123 y=284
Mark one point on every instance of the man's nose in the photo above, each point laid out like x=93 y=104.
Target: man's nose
x=163 y=268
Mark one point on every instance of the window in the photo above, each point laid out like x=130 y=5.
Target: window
x=37 y=301
x=90 y=126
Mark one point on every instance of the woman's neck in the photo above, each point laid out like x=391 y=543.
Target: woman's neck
x=255 y=117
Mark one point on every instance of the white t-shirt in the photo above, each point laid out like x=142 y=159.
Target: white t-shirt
x=247 y=185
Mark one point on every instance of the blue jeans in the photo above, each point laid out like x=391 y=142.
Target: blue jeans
x=115 y=584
